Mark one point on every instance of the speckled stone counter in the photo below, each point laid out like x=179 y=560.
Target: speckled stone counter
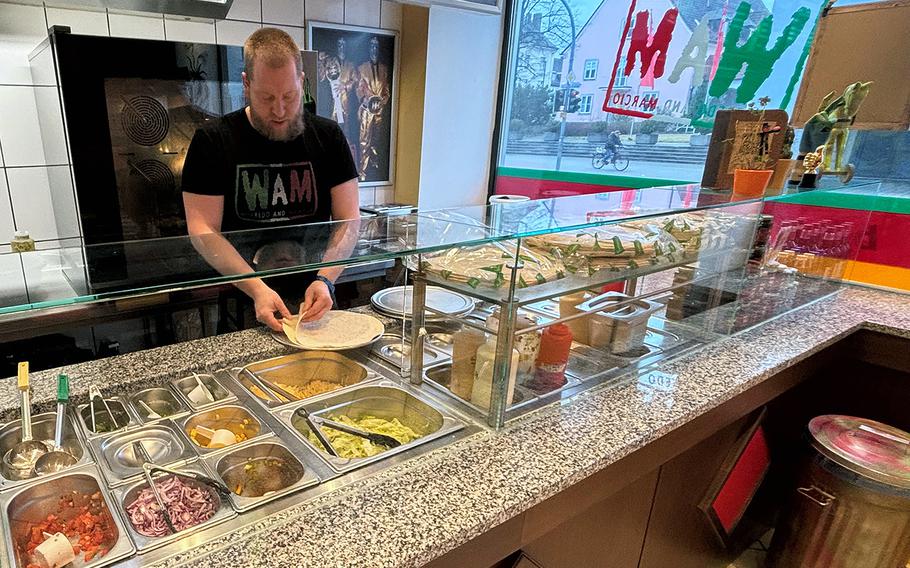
x=416 y=511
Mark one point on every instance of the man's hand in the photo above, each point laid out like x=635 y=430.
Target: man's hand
x=316 y=302
x=268 y=303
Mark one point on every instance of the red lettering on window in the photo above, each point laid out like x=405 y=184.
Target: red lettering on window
x=652 y=50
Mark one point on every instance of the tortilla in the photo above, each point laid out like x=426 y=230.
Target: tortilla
x=290 y=327
x=336 y=330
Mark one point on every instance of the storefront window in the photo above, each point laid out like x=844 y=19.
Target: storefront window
x=656 y=75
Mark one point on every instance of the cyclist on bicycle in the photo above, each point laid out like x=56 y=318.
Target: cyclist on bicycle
x=613 y=142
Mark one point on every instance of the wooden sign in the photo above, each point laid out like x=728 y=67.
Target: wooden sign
x=735 y=141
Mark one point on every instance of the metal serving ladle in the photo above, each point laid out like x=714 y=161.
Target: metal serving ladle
x=59 y=459
x=21 y=458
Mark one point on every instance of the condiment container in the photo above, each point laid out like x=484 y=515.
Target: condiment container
x=578 y=326
x=629 y=321
x=600 y=325
x=481 y=392
x=464 y=359
x=600 y=330
x=527 y=344
x=22 y=242
x=550 y=371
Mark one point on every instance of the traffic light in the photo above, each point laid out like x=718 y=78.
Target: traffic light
x=574 y=101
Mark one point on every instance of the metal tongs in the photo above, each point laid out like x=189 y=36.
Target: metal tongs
x=211 y=482
x=269 y=388
x=314 y=428
x=95 y=392
x=147 y=468
x=316 y=421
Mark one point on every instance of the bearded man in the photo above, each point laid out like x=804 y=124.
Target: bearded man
x=267 y=170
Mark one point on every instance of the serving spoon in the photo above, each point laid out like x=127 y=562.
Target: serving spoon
x=59 y=459
x=21 y=458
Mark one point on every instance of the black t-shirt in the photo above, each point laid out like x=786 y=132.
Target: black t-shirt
x=267 y=183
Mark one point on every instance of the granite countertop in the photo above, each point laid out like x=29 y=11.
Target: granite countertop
x=418 y=510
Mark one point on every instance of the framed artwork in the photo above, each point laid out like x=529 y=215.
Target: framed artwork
x=356 y=86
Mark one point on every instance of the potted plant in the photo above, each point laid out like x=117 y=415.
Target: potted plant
x=597 y=134
x=752 y=180
x=517 y=128
x=646 y=133
x=551 y=131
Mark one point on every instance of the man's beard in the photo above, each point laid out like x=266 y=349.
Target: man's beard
x=294 y=129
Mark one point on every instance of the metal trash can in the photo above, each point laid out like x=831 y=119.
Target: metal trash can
x=851 y=508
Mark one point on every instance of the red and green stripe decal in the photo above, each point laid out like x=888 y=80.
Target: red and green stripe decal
x=547 y=183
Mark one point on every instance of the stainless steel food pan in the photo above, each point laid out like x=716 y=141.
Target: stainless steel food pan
x=31 y=504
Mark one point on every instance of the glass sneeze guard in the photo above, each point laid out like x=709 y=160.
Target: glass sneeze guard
x=79 y=273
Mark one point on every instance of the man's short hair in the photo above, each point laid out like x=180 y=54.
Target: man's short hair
x=271 y=46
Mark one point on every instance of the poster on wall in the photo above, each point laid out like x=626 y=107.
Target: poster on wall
x=356 y=81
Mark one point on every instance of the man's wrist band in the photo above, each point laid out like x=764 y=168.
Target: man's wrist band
x=328 y=284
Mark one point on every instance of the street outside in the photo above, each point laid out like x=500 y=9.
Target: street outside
x=659 y=170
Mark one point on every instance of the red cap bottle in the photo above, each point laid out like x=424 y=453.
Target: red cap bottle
x=550 y=368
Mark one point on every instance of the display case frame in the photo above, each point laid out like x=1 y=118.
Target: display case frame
x=722 y=270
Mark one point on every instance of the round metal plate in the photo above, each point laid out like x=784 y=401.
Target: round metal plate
x=397 y=302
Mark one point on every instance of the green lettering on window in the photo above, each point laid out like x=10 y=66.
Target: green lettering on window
x=754 y=53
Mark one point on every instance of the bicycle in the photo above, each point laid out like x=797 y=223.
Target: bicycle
x=616 y=159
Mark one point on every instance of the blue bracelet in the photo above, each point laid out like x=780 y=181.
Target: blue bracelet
x=328 y=284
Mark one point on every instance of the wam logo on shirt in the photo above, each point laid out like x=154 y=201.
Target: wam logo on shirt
x=275 y=192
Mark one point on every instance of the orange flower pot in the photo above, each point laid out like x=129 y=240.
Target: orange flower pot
x=750 y=183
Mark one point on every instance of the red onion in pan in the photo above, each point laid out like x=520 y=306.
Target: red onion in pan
x=188 y=506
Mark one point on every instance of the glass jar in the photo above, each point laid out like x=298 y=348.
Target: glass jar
x=22 y=242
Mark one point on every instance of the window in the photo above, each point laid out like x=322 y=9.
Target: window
x=621 y=73
x=628 y=33
x=585 y=104
x=591 y=69
x=534 y=94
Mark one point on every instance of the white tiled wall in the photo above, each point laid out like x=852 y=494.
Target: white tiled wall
x=33 y=172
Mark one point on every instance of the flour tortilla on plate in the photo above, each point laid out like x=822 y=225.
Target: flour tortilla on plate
x=290 y=327
x=336 y=330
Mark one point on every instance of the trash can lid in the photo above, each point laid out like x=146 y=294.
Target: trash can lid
x=866 y=447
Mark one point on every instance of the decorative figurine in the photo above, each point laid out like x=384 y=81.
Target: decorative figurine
x=812 y=168
x=830 y=127
x=813 y=160
x=844 y=115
